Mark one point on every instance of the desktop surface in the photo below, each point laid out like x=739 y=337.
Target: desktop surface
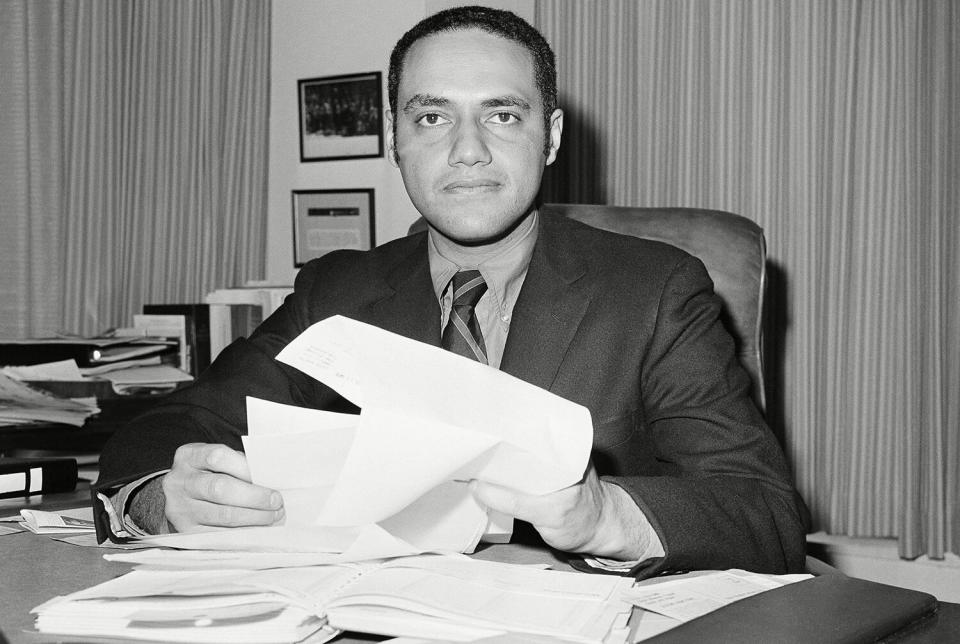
x=37 y=568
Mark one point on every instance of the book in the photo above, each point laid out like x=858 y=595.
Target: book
x=445 y=597
x=236 y=312
x=197 y=319
x=26 y=476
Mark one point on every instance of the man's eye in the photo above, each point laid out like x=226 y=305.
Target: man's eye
x=504 y=118
x=431 y=119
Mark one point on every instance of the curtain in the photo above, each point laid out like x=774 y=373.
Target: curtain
x=834 y=126
x=134 y=168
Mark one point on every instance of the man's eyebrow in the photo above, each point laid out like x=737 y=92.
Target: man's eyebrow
x=429 y=100
x=506 y=101
x=425 y=100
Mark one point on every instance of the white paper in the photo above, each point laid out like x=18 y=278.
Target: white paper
x=166 y=559
x=67 y=521
x=20 y=402
x=452 y=597
x=341 y=545
x=430 y=421
x=59 y=370
x=690 y=597
x=394 y=373
x=149 y=376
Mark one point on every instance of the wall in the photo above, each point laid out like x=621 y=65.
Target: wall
x=315 y=38
x=312 y=39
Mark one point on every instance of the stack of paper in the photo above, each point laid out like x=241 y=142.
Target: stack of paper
x=148 y=378
x=124 y=377
x=668 y=602
x=20 y=403
x=450 y=598
x=87 y=352
x=397 y=473
x=64 y=522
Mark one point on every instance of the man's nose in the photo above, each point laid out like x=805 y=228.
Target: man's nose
x=469 y=147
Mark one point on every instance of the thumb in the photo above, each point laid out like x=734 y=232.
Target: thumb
x=496 y=497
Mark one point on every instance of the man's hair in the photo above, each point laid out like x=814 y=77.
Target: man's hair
x=493 y=21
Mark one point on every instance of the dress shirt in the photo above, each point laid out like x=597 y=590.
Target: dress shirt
x=503 y=272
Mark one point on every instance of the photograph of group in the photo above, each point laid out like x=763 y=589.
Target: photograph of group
x=340 y=117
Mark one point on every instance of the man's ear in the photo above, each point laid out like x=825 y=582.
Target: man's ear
x=391 y=143
x=555 y=133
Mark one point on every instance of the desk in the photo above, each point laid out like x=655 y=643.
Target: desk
x=36 y=568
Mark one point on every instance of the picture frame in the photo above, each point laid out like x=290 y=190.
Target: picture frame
x=328 y=220
x=341 y=117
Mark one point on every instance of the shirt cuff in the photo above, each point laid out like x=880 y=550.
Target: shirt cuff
x=647 y=535
x=117 y=506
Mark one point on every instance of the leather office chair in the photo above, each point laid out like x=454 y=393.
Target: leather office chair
x=734 y=251
x=732 y=248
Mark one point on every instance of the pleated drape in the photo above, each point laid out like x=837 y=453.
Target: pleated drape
x=31 y=211
x=834 y=125
x=151 y=184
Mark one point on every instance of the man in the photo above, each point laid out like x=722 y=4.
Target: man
x=692 y=478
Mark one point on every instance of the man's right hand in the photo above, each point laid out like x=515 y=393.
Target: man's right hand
x=209 y=487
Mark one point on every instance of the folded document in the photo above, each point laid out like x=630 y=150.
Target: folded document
x=430 y=421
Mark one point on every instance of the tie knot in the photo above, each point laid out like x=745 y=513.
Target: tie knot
x=468 y=288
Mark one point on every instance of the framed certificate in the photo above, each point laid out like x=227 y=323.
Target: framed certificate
x=327 y=220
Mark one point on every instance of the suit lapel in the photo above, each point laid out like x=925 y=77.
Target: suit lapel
x=552 y=302
x=408 y=305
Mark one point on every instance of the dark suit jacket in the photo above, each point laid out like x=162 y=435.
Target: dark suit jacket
x=627 y=327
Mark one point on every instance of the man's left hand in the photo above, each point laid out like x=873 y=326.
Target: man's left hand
x=592 y=517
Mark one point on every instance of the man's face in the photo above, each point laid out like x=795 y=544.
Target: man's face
x=469 y=133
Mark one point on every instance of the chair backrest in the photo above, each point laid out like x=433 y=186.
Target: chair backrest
x=732 y=248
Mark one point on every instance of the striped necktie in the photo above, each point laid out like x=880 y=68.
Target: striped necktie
x=462 y=334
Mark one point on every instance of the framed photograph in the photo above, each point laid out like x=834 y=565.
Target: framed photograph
x=340 y=117
x=326 y=220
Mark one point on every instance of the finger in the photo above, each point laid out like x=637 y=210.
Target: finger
x=498 y=498
x=215 y=458
x=224 y=489
x=204 y=515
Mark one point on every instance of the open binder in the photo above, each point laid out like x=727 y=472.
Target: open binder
x=450 y=598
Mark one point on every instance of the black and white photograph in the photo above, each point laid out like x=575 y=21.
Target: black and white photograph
x=340 y=117
x=523 y=321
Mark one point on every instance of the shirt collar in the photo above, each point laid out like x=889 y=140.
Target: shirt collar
x=503 y=270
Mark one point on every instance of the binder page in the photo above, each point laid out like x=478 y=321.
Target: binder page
x=540 y=602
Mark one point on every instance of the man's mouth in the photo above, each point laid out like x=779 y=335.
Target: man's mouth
x=471 y=186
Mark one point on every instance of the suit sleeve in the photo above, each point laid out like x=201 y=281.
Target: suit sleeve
x=213 y=408
x=723 y=497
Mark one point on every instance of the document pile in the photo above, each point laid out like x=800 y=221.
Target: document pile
x=668 y=602
x=91 y=368
x=442 y=597
x=392 y=480
x=87 y=352
x=21 y=403
x=64 y=522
